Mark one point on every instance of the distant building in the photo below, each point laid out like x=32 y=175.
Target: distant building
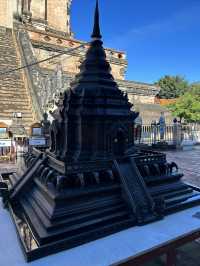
x=33 y=30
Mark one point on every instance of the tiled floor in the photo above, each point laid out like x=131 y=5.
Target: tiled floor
x=189 y=164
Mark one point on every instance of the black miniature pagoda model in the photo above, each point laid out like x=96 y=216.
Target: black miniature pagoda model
x=93 y=181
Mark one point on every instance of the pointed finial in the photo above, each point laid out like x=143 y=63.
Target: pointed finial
x=96 y=35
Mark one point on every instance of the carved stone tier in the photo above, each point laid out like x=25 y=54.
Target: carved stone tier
x=93 y=181
x=57 y=206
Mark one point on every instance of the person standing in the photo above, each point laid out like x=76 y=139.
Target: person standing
x=162 y=125
x=138 y=129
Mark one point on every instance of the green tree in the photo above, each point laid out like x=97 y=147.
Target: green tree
x=188 y=105
x=172 y=87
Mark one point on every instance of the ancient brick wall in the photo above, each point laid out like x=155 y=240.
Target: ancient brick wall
x=51 y=44
x=148 y=99
x=38 y=9
x=14 y=96
x=57 y=15
x=6 y=13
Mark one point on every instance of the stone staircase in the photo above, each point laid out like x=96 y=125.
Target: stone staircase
x=14 y=96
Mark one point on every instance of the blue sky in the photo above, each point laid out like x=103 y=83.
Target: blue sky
x=159 y=36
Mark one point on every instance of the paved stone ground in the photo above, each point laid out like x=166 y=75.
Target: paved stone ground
x=189 y=164
x=9 y=167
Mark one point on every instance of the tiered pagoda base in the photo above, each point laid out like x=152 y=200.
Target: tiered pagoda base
x=93 y=181
x=54 y=212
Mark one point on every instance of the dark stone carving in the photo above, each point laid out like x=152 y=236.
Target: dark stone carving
x=93 y=181
x=4 y=193
x=45 y=125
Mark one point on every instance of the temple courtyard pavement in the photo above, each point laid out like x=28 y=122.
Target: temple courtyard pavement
x=189 y=164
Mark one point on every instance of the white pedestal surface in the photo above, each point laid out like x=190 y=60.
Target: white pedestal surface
x=105 y=251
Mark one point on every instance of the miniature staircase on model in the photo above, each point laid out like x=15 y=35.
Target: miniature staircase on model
x=163 y=182
x=77 y=213
x=94 y=203
x=137 y=195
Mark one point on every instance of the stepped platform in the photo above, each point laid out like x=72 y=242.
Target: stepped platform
x=14 y=96
x=58 y=212
x=93 y=181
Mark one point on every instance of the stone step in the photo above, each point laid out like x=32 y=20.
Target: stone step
x=15 y=100
x=9 y=87
x=9 y=58
x=13 y=89
x=8 y=54
x=7 y=50
x=24 y=119
x=13 y=94
x=18 y=109
x=7 y=107
x=12 y=86
x=15 y=103
x=26 y=116
x=27 y=123
x=9 y=116
x=12 y=76
x=12 y=83
x=9 y=63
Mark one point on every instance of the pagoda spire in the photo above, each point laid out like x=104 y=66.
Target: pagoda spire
x=96 y=35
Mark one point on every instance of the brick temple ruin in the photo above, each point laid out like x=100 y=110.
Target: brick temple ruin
x=32 y=31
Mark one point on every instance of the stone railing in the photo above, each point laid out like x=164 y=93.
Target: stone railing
x=30 y=73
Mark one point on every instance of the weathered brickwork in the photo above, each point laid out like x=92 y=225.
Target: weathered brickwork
x=38 y=9
x=143 y=99
x=46 y=45
x=46 y=32
x=13 y=95
x=58 y=15
x=6 y=10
